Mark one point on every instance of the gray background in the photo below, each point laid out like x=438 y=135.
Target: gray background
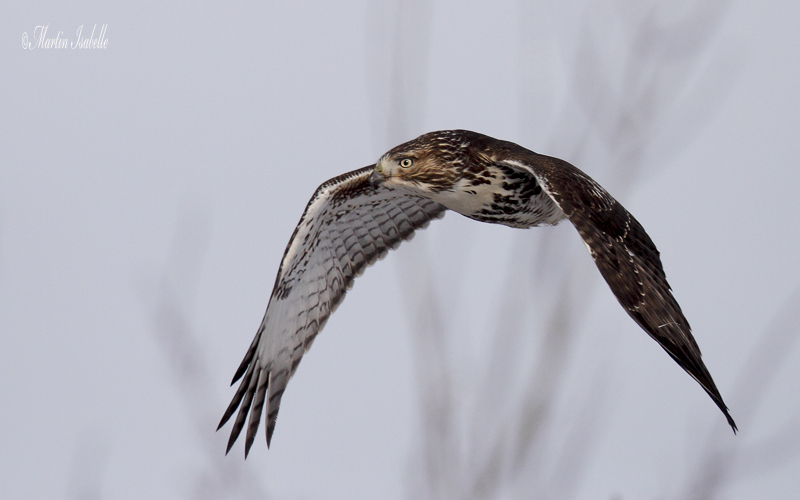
x=147 y=192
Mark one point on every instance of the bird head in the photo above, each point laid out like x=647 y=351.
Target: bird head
x=430 y=163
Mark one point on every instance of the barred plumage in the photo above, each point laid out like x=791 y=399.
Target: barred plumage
x=356 y=218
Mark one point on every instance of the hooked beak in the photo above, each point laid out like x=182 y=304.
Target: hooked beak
x=375 y=178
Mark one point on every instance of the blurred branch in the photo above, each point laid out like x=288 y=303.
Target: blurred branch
x=186 y=361
x=573 y=457
x=623 y=112
x=625 y=117
x=440 y=453
x=655 y=97
x=406 y=23
x=726 y=460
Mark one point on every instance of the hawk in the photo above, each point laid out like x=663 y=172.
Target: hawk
x=354 y=219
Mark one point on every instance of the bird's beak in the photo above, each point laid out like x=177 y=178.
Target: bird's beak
x=375 y=178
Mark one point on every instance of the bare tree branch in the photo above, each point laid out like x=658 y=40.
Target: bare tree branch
x=726 y=461
x=185 y=359
x=609 y=120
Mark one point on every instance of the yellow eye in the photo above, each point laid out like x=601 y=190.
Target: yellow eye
x=406 y=162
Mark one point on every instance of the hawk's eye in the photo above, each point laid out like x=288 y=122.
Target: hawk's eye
x=406 y=162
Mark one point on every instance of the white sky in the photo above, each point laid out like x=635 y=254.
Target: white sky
x=192 y=143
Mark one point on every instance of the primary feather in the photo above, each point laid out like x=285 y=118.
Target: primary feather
x=348 y=225
x=354 y=219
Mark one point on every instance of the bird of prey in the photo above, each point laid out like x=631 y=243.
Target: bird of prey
x=354 y=219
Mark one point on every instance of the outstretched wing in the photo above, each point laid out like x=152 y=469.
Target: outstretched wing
x=628 y=260
x=347 y=225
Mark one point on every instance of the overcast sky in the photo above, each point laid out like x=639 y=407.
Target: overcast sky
x=148 y=189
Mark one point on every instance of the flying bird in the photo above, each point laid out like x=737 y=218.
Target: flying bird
x=354 y=219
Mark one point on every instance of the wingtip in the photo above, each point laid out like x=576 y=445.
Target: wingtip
x=230 y=445
x=732 y=423
x=270 y=428
x=239 y=373
x=248 y=444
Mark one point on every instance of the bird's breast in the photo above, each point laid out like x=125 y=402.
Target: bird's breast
x=501 y=196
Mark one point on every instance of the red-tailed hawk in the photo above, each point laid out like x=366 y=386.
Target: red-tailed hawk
x=356 y=218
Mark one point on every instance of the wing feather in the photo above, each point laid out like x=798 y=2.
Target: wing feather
x=347 y=225
x=250 y=383
x=628 y=260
